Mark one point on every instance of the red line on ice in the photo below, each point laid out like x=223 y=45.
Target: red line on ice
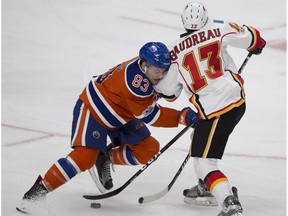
x=28 y=140
x=46 y=135
x=246 y=155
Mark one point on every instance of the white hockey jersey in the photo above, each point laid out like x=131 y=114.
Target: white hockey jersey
x=202 y=67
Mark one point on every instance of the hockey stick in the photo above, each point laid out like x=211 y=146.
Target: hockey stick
x=128 y=182
x=245 y=62
x=159 y=195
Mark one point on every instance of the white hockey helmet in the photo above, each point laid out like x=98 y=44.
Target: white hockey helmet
x=194 y=16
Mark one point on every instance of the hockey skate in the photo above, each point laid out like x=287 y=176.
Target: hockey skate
x=36 y=193
x=103 y=165
x=199 y=195
x=231 y=207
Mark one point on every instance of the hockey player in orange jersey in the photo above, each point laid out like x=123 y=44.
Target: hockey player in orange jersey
x=116 y=104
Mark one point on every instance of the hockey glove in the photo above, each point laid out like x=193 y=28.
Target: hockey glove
x=258 y=51
x=188 y=116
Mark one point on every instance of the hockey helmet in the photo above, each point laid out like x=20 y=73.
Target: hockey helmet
x=156 y=54
x=194 y=16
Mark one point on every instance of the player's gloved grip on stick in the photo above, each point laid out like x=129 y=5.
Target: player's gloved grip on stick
x=258 y=50
x=187 y=116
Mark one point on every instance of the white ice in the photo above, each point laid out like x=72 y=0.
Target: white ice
x=51 y=48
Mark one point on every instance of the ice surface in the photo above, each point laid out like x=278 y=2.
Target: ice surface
x=51 y=48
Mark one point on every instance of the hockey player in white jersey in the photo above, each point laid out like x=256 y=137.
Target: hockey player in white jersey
x=202 y=67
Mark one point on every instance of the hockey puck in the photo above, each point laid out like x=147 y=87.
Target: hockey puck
x=140 y=200
x=95 y=205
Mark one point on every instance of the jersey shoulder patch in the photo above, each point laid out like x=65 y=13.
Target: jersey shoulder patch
x=136 y=81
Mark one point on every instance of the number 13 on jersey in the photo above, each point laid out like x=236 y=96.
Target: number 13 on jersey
x=209 y=53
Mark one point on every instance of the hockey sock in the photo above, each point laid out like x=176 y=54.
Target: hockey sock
x=139 y=153
x=123 y=156
x=60 y=172
x=218 y=184
x=79 y=160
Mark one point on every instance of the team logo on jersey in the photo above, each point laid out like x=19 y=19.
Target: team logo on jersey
x=96 y=134
x=147 y=111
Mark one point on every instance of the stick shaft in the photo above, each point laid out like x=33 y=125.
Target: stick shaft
x=244 y=62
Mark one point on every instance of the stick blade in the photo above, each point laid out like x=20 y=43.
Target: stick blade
x=151 y=198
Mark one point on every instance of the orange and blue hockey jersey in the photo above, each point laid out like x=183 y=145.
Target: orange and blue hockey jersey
x=124 y=93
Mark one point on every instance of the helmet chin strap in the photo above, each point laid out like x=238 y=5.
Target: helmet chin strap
x=147 y=65
x=144 y=70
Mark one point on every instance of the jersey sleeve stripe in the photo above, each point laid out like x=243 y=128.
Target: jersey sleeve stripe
x=102 y=108
x=152 y=117
x=255 y=38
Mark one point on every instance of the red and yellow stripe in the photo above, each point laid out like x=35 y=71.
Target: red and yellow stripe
x=214 y=178
x=226 y=109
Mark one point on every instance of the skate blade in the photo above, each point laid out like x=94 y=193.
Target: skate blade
x=203 y=201
x=21 y=210
x=237 y=214
x=96 y=180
